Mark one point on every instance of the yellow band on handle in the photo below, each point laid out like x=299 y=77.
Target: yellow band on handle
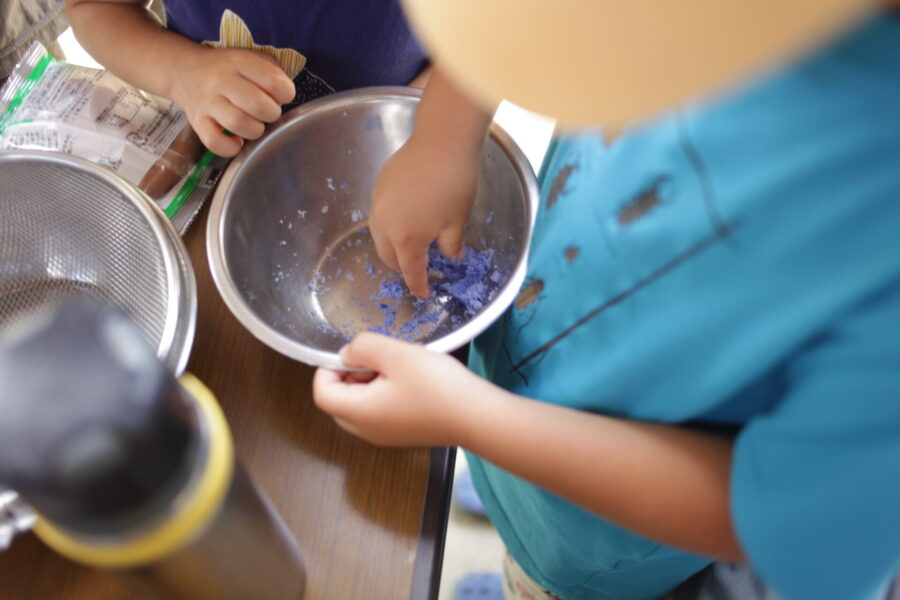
x=171 y=535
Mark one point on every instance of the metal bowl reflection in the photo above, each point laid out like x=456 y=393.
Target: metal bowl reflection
x=287 y=239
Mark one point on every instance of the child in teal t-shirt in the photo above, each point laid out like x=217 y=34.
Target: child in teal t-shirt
x=710 y=333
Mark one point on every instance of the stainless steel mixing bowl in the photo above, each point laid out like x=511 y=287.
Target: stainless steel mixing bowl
x=287 y=240
x=68 y=226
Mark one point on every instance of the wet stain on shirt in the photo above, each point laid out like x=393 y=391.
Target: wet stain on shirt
x=642 y=204
x=529 y=293
x=558 y=187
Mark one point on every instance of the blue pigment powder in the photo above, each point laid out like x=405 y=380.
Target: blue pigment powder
x=461 y=287
x=465 y=281
x=389 y=288
x=459 y=291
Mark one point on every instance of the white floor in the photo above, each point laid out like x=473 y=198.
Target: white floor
x=472 y=544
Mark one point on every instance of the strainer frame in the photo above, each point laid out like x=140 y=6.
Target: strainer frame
x=177 y=337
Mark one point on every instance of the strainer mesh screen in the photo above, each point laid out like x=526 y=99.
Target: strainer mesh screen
x=63 y=232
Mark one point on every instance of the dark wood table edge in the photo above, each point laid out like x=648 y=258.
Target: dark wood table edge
x=433 y=532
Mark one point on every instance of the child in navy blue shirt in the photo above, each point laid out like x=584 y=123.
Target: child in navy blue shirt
x=232 y=65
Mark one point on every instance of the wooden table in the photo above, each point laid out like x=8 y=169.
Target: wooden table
x=370 y=521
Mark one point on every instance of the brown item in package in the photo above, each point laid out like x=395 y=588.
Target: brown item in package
x=177 y=160
x=57 y=106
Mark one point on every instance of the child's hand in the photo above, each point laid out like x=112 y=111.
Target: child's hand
x=415 y=398
x=424 y=192
x=233 y=89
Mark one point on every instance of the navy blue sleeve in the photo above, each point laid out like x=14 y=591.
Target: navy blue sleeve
x=347 y=43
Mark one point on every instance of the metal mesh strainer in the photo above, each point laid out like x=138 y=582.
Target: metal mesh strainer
x=68 y=226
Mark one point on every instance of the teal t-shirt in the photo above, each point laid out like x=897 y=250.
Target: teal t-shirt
x=733 y=266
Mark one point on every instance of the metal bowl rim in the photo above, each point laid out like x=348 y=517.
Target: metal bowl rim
x=260 y=329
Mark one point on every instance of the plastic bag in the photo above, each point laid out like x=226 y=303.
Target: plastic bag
x=57 y=106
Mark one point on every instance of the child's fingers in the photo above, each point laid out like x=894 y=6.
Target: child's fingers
x=327 y=377
x=270 y=77
x=385 y=250
x=347 y=426
x=372 y=351
x=359 y=376
x=235 y=120
x=450 y=242
x=413 y=259
x=332 y=395
x=252 y=100
x=213 y=137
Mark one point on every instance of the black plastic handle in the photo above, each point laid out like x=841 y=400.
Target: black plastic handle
x=95 y=433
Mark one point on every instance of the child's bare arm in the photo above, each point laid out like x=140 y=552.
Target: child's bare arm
x=237 y=90
x=426 y=190
x=666 y=483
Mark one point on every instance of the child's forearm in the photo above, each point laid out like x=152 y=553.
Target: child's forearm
x=127 y=41
x=667 y=483
x=449 y=120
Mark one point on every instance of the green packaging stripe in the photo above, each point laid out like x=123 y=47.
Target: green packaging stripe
x=26 y=88
x=189 y=185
